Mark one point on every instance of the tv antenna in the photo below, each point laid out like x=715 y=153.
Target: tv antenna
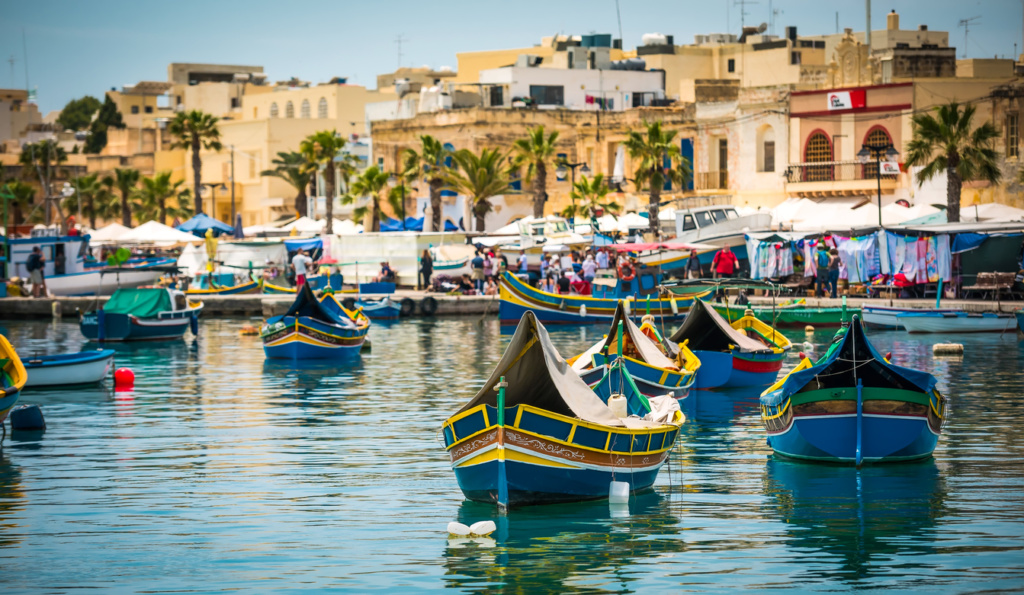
x=11 y=62
x=966 y=24
x=743 y=10
x=398 y=41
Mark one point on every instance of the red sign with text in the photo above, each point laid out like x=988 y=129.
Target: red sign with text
x=844 y=100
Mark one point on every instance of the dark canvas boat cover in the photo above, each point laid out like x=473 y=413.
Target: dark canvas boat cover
x=307 y=305
x=851 y=358
x=708 y=331
x=143 y=302
x=537 y=375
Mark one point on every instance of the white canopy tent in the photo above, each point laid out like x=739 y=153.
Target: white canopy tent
x=157 y=234
x=108 y=234
x=238 y=255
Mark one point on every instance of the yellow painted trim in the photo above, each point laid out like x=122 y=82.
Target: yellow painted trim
x=14 y=368
x=803 y=365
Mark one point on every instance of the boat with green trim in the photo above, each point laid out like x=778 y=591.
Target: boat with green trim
x=787 y=314
x=251 y=286
x=535 y=433
x=853 y=406
x=142 y=314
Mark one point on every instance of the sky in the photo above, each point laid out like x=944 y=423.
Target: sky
x=76 y=48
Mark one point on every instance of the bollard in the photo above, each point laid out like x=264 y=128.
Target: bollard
x=27 y=417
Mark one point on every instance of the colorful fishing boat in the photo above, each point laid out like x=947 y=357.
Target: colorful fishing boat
x=793 y=314
x=929 y=321
x=645 y=364
x=315 y=329
x=252 y=286
x=382 y=309
x=69 y=369
x=745 y=353
x=853 y=406
x=886 y=317
x=517 y=298
x=1020 y=320
x=144 y=313
x=271 y=288
x=12 y=378
x=536 y=433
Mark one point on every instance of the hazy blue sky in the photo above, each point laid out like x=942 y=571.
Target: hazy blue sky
x=87 y=47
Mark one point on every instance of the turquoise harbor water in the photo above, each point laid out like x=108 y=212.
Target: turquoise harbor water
x=222 y=471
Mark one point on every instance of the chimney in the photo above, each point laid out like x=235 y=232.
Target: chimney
x=892 y=21
x=791 y=34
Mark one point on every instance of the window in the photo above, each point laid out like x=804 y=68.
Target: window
x=497 y=96
x=769 y=155
x=732 y=65
x=304 y=112
x=149 y=109
x=321 y=108
x=1012 y=135
x=289 y=110
x=731 y=214
x=273 y=110
x=703 y=218
x=547 y=94
x=236 y=103
x=818 y=149
x=766 y=149
x=688 y=223
x=135 y=109
x=718 y=216
x=794 y=58
x=878 y=137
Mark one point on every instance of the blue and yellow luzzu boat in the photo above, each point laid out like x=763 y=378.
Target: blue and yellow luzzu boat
x=517 y=298
x=645 y=364
x=536 y=433
x=142 y=314
x=853 y=406
x=253 y=286
x=315 y=329
x=12 y=378
x=745 y=353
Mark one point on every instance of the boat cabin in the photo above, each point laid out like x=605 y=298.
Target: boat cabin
x=64 y=255
x=709 y=222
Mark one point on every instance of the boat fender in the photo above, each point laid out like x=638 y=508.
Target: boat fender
x=27 y=417
x=428 y=306
x=947 y=349
x=124 y=378
x=675 y=306
x=583 y=310
x=618 y=492
x=349 y=303
x=408 y=307
x=561 y=306
x=477 y=529
x=193 y=324
x=617 y=403
x=808 y=329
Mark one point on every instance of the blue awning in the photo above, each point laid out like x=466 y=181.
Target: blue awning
x=962 y=242
x=305 y=244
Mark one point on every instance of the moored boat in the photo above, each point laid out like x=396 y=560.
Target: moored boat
x=535 y=433
x=12 y=378
x=853 y=406
x=252 y=286
x=928 y=321
x=68 y=369
x=271 y=288
x=383 y=309
x=746 y=352
x=143 y=313
x=886 y=317
x=517 y=298
x=315 y=328
x=1020 y=320
x=645 y=364
x=787 y=315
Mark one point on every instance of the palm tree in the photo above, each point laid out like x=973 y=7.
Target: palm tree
x=589 y=195
x=195 y=130
x=24 y=196
x=431 y=159
x=370 y=184
x=320 y=149
x=291 y=167
x=535 y=151
x=946 y=142
x=124 y=181
x=44 y=159
x=650 y=151
x=479 y=177
x=151 y=199
x=94 y=197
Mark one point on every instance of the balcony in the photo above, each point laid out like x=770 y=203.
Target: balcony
x=836 y=178
x=711 y=180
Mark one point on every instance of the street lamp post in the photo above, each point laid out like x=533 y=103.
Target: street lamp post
x=560 y=175
x=213 y=195
x=877 y=151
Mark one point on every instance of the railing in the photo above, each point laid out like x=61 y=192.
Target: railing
x=711 y=180
x=833 y=171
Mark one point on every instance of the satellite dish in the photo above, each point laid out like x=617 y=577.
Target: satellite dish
x=762 y=27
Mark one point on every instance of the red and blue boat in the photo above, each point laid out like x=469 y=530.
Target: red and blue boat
x=745 y=353
x=142 y=314
x=315 y=328
x=853 y=406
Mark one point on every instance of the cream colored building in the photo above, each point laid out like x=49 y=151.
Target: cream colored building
x=16 y=116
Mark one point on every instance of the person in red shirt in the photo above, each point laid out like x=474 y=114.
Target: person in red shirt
x=724 y=266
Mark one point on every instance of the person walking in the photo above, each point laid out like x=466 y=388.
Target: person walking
x=301 y=263
x=35 y=266
x=693 y=266
x=724 y=266
x=589 y=269
x=477 y=266
x=822 y=259
x=522 y=262
x=602 y=259
x=426 y=270
x=833 y=271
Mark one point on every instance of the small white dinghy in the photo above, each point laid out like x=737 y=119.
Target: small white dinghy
x=86 y=367
x=956 y=322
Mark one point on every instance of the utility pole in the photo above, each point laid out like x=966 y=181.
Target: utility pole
x=232 y=185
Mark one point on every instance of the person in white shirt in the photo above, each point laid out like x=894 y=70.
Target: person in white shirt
x=589 y=268
x=301 y=263
x=602 y=259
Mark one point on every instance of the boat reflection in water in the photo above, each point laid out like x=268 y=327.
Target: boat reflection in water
x=864 y=517
x=553 y=548
x=12 y=501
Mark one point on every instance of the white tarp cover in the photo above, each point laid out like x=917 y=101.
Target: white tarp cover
x=110 y=233
x=649 y=351
x=236 y=254
x=537 y=375
x=156 y=233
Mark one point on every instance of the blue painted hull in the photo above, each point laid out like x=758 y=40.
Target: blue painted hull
x=834 y=438
x=378 y=311
x=307 y=338
x=715 y=369
x=1020 y=321
x=754 y=370
x=646 y=380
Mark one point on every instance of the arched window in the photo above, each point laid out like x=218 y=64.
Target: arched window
x=273 y=110
x=289 y=110
x=321 y=109
x=877 y=137
x=818 y=150
x=304 y=113
x=766 y=149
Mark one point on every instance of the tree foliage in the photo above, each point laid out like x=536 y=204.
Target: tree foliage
x=124 y=182
x=589 y=199
x=193 y=131
x=292 y=167
x=159 y=198
x=320 y=150
x=77 y=113
x=536 y=152
x=107 y=118
x=480 y=178
x=370 y=184
x=431 y=160
x=650 y=150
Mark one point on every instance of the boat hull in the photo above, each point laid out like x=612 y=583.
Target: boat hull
x=250 y=287
x=885 y=317
x=754 y=369
x=125 y=327
x=100 y=283
x=1020 y=320
x=382 y=310
x=650 y=381
x=288 y=337
x=70 y=369
x=789 y=316
x=957 y=324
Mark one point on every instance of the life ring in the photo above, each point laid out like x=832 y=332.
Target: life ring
x=626 y=272
x=349 y=303
x=408 y=307
x=428 y=306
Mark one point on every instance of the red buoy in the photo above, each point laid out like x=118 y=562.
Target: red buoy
x=803 y=355
x=124 y=378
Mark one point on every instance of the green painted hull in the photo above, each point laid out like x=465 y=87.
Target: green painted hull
x=790 y=316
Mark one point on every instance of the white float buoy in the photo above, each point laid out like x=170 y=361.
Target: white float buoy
x=583 y=310
x=617 y=403
x=618 y=492
x=482 y=528
x=458 y=529
x=947 y=349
